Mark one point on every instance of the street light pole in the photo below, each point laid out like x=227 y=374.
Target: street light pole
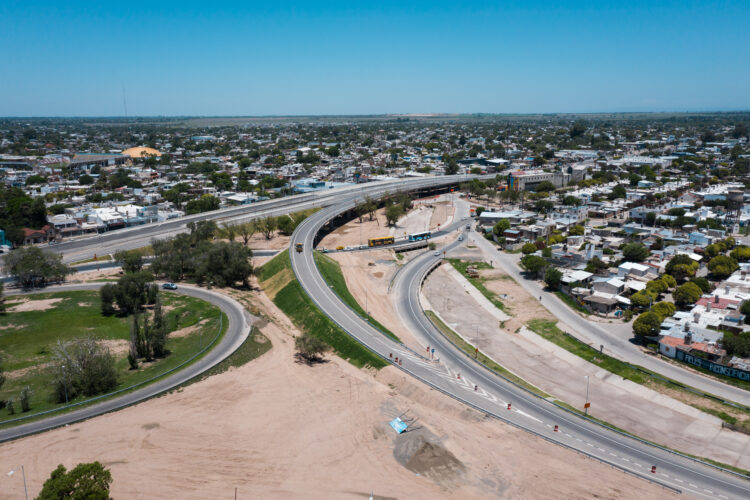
x=586 y=407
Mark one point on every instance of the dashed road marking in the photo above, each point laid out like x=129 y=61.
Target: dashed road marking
x=679 y=480
x=692 y=485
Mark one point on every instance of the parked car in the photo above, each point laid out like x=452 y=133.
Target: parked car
x=169 y=286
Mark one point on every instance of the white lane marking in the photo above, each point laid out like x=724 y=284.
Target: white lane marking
x=679 y=480
x=722 y=496
x=665 y=475
x=612 y=454
x=529 y=416
x=692 y=485
x=637 y=465
x=579 y=440
x=626 y=459
x=708 y=491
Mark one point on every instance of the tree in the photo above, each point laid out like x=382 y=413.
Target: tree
x=34 y=267
x=648 y=324
x=528 y=248
x=544 y=187
x=309 y=348
x=552 y=278
x=736 y=344
x=87 y=481
x=131 y=262
x=576 y=230
x=642 y=299
x=619 y=191
x=159 y=331
x=393 y=213
x=285 y=224
x=132 y=292
x=246 y=231
x=205 y=203
x=533 y=263
x=664 y=309
x=202 y=230
x=681 y=267
x=741 y=253
x=686 y=294
x=107 y=298
x=744 y=309
x=596 y=265
x=267 y=226
x=669 y=281
x=500 y=227
x=722 y=266
x=571 y=200
x=82 y=366
x=635 y=252
x=544 y=206
x=657 y=286
x=702 y=283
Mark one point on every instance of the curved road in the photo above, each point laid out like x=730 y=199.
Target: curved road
x=236 y=333
x=493 y=393
x=615 y=344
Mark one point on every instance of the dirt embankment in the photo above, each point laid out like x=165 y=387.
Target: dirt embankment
x=274 y=428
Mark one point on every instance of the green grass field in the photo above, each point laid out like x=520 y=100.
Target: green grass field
x=331 y=272
x=277 y=278
x=27 y=340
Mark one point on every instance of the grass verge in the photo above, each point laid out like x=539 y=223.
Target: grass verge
x=469 y=349
x=571 y=302
x=277 y=278
x=549 y=330
x=461 y=266
x=331 y=272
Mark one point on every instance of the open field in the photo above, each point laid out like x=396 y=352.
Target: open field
x=288 y=430
x=35 y=323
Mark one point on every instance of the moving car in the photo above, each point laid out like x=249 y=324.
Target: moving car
x=169 y=286
x=437 y=253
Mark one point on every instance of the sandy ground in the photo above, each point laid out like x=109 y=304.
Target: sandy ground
x=35 y=305
x=368 y=276
x=356 y=233
x=561 y=374
x=277 y=429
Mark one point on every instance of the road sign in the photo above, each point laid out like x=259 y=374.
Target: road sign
x=587 y=405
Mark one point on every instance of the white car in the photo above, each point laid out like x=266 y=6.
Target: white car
x=437 y=253
x=461 y=238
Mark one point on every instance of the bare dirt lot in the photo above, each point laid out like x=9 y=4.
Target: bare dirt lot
x=277 y=429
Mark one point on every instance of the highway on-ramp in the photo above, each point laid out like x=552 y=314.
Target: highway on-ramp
x=236 y=333
x=459 y=376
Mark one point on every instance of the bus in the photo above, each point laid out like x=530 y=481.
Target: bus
x=383 y=240
x=420 y=236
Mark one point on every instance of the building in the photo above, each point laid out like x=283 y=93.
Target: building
x=527 y=180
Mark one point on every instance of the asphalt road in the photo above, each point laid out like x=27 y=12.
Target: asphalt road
x=83 y=248
x=235 y=335
x=615 y=343
x=456 y=374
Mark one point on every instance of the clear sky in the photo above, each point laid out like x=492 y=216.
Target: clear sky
x=213 y=57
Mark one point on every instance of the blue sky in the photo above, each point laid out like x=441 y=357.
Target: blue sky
x=280 y=58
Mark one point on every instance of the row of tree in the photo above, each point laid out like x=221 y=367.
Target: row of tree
x=196 y=256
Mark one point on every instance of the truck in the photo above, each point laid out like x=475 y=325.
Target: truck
x=298 y=247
